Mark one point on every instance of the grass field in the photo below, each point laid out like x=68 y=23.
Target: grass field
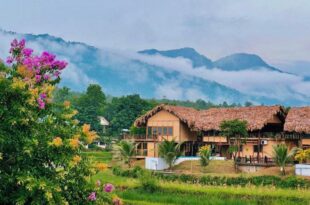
x=176 y=193
x=180 y=193
x=99 y=156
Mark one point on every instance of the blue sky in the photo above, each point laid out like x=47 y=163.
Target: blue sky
x=278 y=30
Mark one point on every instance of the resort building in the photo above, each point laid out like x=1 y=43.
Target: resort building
x=265 y=125
x=297 y=124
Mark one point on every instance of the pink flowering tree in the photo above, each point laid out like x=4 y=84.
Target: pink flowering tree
x=40 y=142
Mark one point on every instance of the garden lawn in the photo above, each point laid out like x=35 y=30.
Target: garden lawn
x=99 y=156
x=175 y=193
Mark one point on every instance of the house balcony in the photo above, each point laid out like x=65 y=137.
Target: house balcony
x=141 y=138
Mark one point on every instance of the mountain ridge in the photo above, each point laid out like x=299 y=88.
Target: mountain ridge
x=122 y=74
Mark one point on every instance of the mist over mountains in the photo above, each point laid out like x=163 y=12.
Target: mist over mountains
x=181 y=73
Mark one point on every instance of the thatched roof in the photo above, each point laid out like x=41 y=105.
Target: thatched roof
x=256 y=116
x=185 y=114
x=298 y=120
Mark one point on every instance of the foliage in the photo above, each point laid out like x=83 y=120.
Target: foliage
x=148 y=183
x=302 y=155
x=90 y=105
x=169 y=151
x=125 y=150
x=123 y=111
x=282 y=156
x=137 y=130
x=60 y=95
x=236 y=129
x=40 y=143
x=204 y=153
x=198 y=104
x=280 y=182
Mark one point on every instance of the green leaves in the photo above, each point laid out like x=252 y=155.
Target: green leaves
x=234 y=128
x=125 y=150
x=169 y=151
x=282 y=156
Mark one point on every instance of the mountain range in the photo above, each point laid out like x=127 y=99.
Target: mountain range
x=183 y=73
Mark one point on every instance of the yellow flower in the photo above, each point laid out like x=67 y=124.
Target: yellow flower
x=75 y=122
x=76 y=159
x=91 y=136
x=25 y=72
x=86 y=128
x=67 y=104
x=101 y=166
x=57 y=141
x=74 y=143
x=18 y=83
x=48 y=196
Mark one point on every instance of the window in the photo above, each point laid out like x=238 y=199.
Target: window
x=160 y=130
x=149 y=131
x=257 y=148
x=164 y=130
x=170 y=131
x=154 y=130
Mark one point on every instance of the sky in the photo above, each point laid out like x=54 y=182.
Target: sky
x=276 y=30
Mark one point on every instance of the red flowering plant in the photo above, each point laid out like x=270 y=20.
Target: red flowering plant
x=40 y=142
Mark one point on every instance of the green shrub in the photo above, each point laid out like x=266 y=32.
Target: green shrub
x=147 y=181
x=289 y=182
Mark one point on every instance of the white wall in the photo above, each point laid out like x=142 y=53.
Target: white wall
x=302 y=169
x=156 y=163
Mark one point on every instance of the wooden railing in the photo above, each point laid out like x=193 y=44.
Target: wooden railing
x=140 y=137
x=251 y=160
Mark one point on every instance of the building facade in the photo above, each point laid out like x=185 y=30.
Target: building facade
x=265 y=125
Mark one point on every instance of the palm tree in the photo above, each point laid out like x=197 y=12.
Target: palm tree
x=169 y=151
x=281 y=156
x=125 y=150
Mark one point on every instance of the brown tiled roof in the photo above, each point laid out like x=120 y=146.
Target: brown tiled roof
x=256 y=116
x=185 y=114
x=298 y=120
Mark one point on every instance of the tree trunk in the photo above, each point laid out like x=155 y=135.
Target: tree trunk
x=282 y=169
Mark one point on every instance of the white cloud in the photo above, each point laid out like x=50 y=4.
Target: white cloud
x=260 y=82
x=73 y=75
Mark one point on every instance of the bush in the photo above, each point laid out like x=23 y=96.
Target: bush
x=204 y=153
x=289 y=182
x=40 y=150
x=147 y=181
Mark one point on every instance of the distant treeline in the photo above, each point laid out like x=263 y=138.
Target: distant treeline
x=119 y=111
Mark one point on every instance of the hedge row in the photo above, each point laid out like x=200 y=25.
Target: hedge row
x=287 y=182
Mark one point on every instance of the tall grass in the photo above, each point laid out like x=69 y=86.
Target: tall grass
x=134 y=196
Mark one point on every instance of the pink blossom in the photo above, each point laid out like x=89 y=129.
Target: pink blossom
x=92 y=196
x=22 y=43
x=9 y=60
x=41 y=103
x=42 y=95
x=14 y=43
x=56 y=74
x=46 y=77
x=38 y=78
x=27 y=52
x=108 y=188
